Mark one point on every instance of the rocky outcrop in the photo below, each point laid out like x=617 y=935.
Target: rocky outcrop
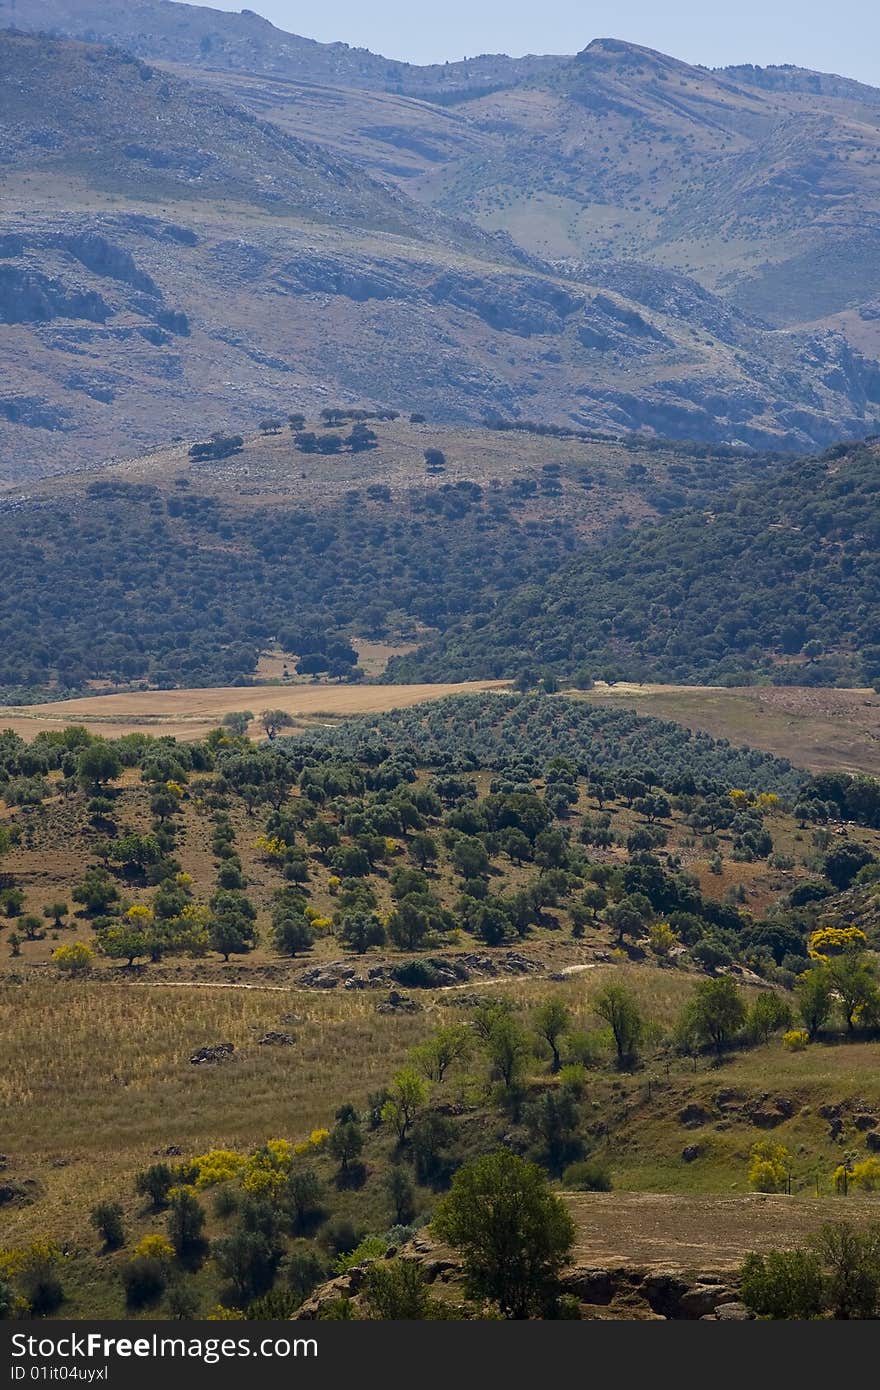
x=613 y=1292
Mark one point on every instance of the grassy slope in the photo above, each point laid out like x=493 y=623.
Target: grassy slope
x=820 y=729
x=96 y=1083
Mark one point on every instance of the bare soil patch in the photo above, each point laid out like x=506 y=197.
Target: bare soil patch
x=700 y=1233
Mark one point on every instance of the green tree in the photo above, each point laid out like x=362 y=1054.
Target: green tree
x=551 y=1020
x=185 y=1221
x=107 y=1219
x=237 y=722
x=230 y=935
x=407 y=1094
x=514 y=1234
x=851 y=1260
x=449 y=1044
x=401 y=1195
x=619 y=1008
x=361 y=930
x=274 y=720
x=852 y=980
x=714 y=1014
x=508 y=1050
x=293 y=936
x=98 y=764
x=346 y=1143
x=815 y=999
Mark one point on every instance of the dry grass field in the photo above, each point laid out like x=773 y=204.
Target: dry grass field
x=703 y=1233
x=821 y=729
x=189 y=714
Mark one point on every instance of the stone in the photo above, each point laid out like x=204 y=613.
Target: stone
x=663 y=1291
x=273 y=1039
x=702 y=1299
x=691 y=1152
x=215 y=1052
x=733 y=1312
x=591 y=1285
x=872 y=1141
x=693 y=1116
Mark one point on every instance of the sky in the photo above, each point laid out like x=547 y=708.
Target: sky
x=840 y=36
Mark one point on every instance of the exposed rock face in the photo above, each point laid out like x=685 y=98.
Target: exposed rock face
x=133 y=327
x=619 y=1293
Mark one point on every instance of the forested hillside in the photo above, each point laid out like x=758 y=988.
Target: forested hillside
x=777 y=581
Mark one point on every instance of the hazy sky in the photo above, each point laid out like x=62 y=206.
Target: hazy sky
x=831 y=35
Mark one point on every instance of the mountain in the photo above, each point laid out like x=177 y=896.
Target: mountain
x=176 y=258
x=217 y=40
x=764 y=183
x=778 y=581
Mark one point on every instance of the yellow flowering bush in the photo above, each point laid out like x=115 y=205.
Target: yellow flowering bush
x=769 y=1167
x=796 y=1040
x=834 y=941
x=268 y=1168
x=864 y=1175
x=74 y=959
x=217 y=1165
x=155 y=1247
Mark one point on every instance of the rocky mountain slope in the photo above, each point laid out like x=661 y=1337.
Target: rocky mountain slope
x=246 y=42
x=172 y=263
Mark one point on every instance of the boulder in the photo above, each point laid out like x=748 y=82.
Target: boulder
x=590 y=1285
x=692 y=1116
x=702 y=1299
x=214 y=1052
x=872 y=1141
x=274 y=1039
x=663 y=1291
x=733 y=1312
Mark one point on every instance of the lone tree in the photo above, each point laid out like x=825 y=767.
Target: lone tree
x=619 y=1007
x=237 y=721
x=715 y=1013
x=513 y=1232
x=273 y=720
x=552 y=1019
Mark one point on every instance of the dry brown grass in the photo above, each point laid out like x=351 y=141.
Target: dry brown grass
x=815 y=728
x=95 y=1079
x=189 y=714
x=699 y=1233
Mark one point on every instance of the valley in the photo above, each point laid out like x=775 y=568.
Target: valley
x=439 y=680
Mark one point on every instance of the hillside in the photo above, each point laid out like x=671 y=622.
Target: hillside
x=227 y=269
x=785 y=590
x=299 y=540
x=219 y=41
x=759 y=182
x=190 y=931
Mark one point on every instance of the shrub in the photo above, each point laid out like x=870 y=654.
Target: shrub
x=39 y=1278
x=144 y=1280
x=770 y=1167
x=74 y=959
x=796 y=1040
x=396 y=1291
x=784 y=1284
x=588 y=1175
x=155 y=1183
x=106 y=1218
